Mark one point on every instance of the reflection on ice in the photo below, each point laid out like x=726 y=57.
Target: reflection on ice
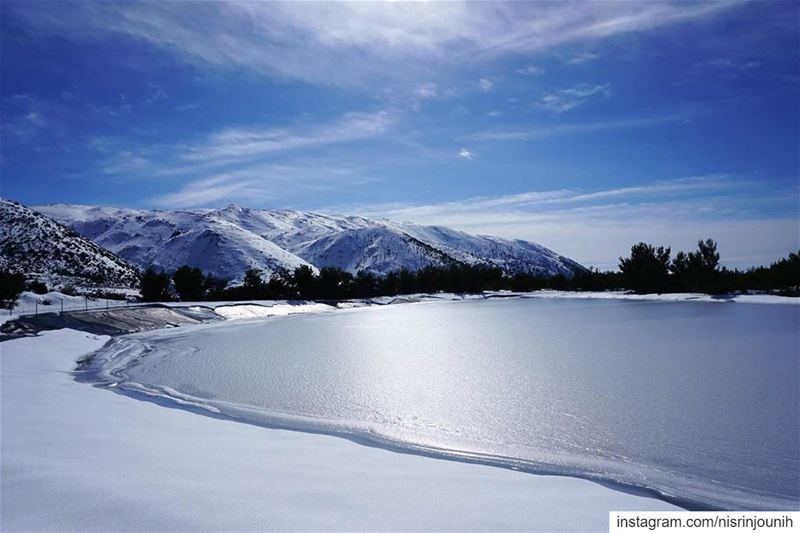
x=696 y=400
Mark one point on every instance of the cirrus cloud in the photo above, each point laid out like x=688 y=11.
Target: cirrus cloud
x=566 y=99
x=348 y=43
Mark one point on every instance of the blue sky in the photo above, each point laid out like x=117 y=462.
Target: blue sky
x=582 y=126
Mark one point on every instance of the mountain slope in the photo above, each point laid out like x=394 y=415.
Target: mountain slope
x=375 y=249
x=509 y=255
x=226 y=242
x=210 y=240
x=38 y=246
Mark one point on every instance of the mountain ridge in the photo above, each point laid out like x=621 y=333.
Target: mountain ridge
x=227 y=241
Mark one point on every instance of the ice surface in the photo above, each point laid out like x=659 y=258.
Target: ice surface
x=77 y=458
x=693 y=399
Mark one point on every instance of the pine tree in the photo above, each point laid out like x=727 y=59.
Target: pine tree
x=154 y=285
x=254 y=287
x=11 y=286
x=189 y=283
x=646 y=269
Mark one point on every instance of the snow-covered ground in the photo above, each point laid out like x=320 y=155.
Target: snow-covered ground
x=265 y=311
x=29 y=303
x=53 y=301
x=667 y=297
x=268 y=308
x=76 y=457
x=255 y=308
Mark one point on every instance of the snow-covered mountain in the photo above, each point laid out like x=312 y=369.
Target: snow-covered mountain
x=42 y=248
x=226 y=242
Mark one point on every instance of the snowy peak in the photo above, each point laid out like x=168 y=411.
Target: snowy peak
x=40 y=247
x=224 y=249
x=226 y=242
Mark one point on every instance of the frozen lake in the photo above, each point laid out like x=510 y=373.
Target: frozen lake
x=697 y=401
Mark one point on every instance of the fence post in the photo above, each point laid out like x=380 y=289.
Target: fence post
x=36 y=309
x=85 y=302
x=62 y=307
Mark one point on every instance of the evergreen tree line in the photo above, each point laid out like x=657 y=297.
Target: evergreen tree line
x=648 y=269
x=191 y=284
x=651 y=269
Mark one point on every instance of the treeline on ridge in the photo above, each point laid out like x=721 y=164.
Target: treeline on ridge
x=648 y=269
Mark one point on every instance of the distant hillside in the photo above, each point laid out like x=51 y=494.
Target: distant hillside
x=226 y=242
x=40 y=247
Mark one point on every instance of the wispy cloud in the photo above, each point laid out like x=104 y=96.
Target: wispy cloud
x=33 y=121
x=156 y=94
x=117 y=157
x=530 y=70
x=485 y=85
x=596 y=227
x=548 y=199
x=349 y=42
x=24 y=127
x=207 y=191
x=187 y=107
x=24 y=117
x=566 y=99
x=122 y=105
x=241 y=143
x=544 y=132
x=426 y=90
x=125 y=162
x=114 y=110
x=265 y=183
x=724 y=67
x=580 y=59
x=724 y=63
x=244 y=152
x=261 y=183
x=465 y=154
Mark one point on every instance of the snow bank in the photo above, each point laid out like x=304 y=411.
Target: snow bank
x=7 y=316
x=76 y=457
x=52 y=299
x=54 y=302
x=264 y=311
x=765 y=299
x=30 y=303
x=667 y=297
